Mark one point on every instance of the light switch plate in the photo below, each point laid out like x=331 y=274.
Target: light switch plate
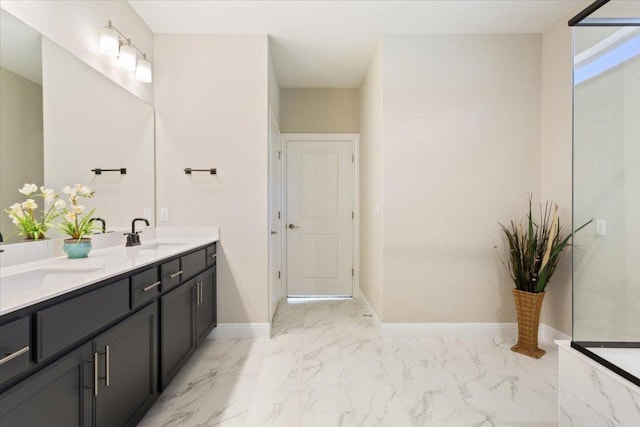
x=164 y=214
x=601 y=227
x=147 y=214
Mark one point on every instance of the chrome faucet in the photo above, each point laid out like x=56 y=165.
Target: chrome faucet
x=104 y=223
x=133 y=238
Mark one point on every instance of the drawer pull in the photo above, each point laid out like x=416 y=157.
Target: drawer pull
x=151 y=286
x=213 y=256
x=12 y=356
x=176 y=274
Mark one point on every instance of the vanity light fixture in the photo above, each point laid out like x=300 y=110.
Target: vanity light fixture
x=109 y=41
x=127 y=57
x=143 y=70
x=115 y=44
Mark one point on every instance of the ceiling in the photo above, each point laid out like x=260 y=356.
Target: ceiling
x=20 y=50
x=330 y=43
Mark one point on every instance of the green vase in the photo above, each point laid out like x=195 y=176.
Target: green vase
x=77 y=248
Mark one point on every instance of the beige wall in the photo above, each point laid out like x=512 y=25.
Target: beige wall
x=212 y=111
x=319 y=110
x=461 y=151
x=75 y=25
x=371 y=176
x=21 y=143
x=555 y=160
x=90 y=122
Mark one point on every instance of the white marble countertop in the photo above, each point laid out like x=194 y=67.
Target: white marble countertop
x=27 y=284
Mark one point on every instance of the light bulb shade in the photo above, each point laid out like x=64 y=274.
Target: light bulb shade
x=109 y=42
x=143 y=71
x=127 y=58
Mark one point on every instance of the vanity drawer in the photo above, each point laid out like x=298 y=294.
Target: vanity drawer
x=144 y=286
x=170 y=274
x=15 y=348
x=193 y=263
x=68 y=322
x=211 y=255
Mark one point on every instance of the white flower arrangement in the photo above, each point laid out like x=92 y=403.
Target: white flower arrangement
x=75 y=222
x=25 y=216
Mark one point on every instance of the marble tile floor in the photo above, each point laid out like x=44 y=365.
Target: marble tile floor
x=327 y=366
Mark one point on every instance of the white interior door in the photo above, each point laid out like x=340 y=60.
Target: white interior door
x=320 y=206
x=275 y=207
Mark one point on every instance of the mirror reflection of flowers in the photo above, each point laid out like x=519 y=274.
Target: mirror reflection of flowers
x=76 y=221
x=27 y=218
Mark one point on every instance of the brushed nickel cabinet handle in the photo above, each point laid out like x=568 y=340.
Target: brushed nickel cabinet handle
x=151 y=286
x=12 y=356
x=106 y=365
x=214 y=255
x=201 y=292
x=176 y=274
x=95 y=374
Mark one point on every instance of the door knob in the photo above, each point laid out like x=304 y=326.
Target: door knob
x=274 y=232
x=291 y=226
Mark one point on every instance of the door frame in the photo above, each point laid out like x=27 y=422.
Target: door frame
x=355 y=141
x=280 y=290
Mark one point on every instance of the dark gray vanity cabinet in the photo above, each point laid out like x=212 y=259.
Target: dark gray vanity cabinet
x=205 y=303
x=110 y=381
x=177 y=335
x=59 y=396
x=127 y=356
x=187 y=313
x=101 y=355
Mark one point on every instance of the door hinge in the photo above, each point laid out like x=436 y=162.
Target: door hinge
x=278 y=275
x=353 y=272
x=353 y=158
x=353 y=215
x=279 y=155
x=278 y=214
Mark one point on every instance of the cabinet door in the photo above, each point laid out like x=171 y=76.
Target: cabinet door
x=177 y=333
x=60 y=395
x=205 y=303
x=127 y=355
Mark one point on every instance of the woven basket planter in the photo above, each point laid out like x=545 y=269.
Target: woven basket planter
x=528 y=306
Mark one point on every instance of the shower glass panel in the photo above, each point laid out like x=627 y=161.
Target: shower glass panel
x=606 y=188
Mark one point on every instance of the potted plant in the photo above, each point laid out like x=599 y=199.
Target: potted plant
x=25 y=217
x=534 y=252
x=76 y=221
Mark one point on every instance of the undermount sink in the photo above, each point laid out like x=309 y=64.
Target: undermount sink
x=40 y=278
x=158 y=246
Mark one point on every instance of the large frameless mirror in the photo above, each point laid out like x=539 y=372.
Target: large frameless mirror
x=59 y=119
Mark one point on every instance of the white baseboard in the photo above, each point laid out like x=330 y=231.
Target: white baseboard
x=442 y=330
x=241 y=330
x=439 y=330
x=507 y=330
x=375 y=320
x=548 y=334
